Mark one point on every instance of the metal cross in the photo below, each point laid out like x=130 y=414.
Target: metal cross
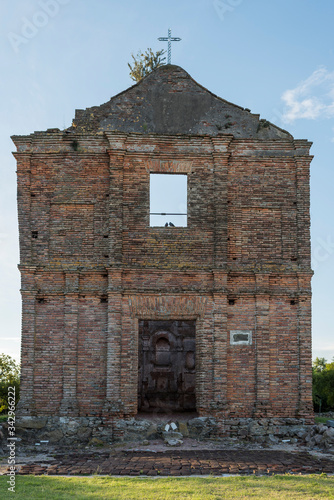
x=169 y=39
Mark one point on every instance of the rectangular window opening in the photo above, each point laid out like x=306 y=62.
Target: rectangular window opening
x=168 y=200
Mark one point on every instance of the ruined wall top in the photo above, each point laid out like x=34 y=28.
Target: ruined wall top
x=169 y=101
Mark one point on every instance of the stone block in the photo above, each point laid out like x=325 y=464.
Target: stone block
x=71 y=427
x=31 y=422
x=183 y=429
x=300 y=432
x=202 y=427
x=254 y=429
x=172 y=435
x=173 y=442
x=271 y=439
x=83 y=433
x=328 y=435
x=54 y=436
x=152 y=432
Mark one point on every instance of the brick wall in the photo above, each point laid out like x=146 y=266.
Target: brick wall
x=92 y=267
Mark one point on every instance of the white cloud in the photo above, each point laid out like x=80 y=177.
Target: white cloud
x=312 y=98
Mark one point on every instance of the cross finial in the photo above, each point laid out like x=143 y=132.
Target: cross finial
x=169 y=39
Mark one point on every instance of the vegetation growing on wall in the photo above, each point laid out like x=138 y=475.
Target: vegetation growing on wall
x=145 y=62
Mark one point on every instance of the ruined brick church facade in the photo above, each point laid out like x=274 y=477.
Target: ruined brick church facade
x=121 y=316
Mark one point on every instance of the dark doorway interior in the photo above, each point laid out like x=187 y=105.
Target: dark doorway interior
x=166 y=372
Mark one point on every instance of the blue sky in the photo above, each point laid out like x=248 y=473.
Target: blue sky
x=276 y=58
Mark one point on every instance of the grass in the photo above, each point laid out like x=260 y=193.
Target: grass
x=246 y=487
x=3 y=418
x=321 y=420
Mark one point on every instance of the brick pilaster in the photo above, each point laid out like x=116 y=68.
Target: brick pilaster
x=113 y=406
x=261 y=338
x=26 y=405
x=305 y=358
x=220 y=186
x=220 y=343
x=303 y=209
x=24 y=205
x=69 y=404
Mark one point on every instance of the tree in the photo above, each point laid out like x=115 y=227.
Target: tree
x=323 y=384
x=9 y=377
x=319 y=364
x=145 y=62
